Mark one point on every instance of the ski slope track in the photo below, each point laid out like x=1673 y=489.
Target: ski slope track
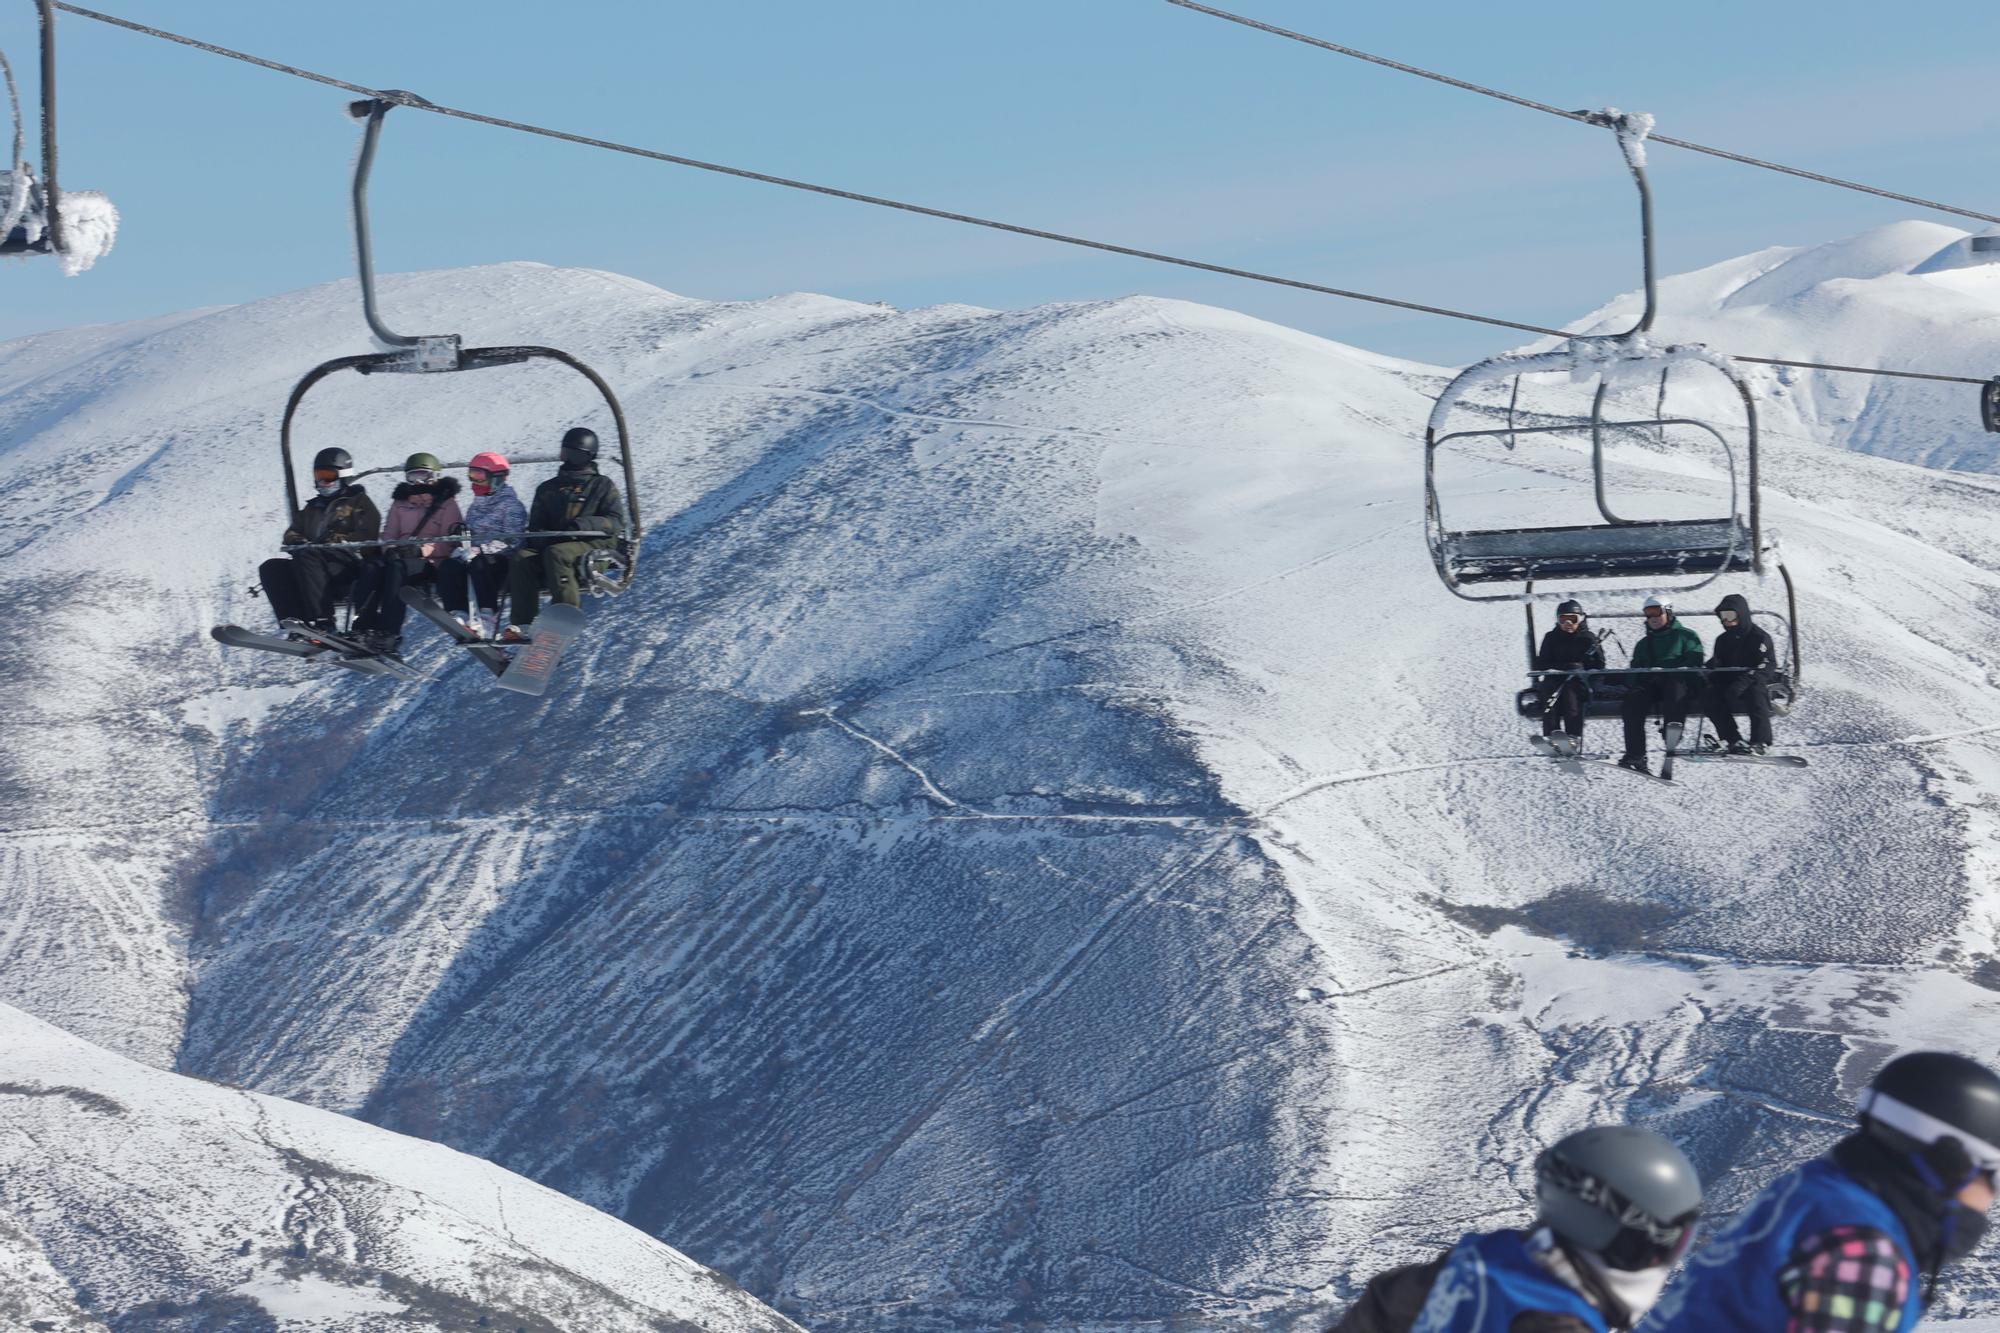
x=1036 y=846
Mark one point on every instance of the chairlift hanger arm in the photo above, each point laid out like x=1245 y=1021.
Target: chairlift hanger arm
x=50 y=193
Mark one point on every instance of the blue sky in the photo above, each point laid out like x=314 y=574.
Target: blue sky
x=1130 y=120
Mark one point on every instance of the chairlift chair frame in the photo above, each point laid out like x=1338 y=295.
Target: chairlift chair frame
x=605 y=572
x=1647 y=550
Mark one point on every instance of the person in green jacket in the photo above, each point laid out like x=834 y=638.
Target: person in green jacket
x=1667 y=645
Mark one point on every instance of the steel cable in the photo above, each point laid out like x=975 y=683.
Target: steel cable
x=1251 y=275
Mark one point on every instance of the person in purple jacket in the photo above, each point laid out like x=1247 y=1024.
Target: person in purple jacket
x=478 y=569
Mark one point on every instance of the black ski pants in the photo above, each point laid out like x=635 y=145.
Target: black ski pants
x=1738 y=692
x=553 y=567
x=305 y=586
x=483 y=575
x=378 y=593
x=1564 y=709
x=1669 y=696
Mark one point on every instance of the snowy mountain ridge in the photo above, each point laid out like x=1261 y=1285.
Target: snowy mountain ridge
x=997 y=863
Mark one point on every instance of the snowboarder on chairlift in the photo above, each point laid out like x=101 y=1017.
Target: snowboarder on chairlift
x=425 y=506
x=1854 y=1240
x=1742 y=644
x=304 y=585
x=1570 y=646
x=495 y=520
x=1615 y=1206
x=577 y=499
x=1666 y=646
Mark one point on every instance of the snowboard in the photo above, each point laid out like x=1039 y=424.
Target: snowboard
x=351 y=651
x=1718 y=757
x=535 y=665
x=494 y=657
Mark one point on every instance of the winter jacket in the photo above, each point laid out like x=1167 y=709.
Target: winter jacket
x=1671 y=645
x=407 y=516
x=1570 y=650
x=1742 y=645
x=497 y=519
x=1393 y=1301
x=348 y=515
x=576 y=499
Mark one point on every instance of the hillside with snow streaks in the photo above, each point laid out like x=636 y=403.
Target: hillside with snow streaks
x=136 y=1198
x=1035 y=844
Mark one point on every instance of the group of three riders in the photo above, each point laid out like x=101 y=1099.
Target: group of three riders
x=342 y=549
x=1734 y=679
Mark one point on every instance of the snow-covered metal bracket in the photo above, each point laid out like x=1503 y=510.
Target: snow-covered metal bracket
x=36 y=217
x=1989 y=405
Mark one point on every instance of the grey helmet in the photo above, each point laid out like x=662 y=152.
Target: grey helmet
x=1623 y=1192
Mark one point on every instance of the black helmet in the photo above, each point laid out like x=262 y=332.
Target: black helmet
x=1623 y=1192
x=1572 y=607
x=334 y=460
x=579 y=446
x=1927 y=1098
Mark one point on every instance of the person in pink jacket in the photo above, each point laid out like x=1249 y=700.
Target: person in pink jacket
x=425 y=506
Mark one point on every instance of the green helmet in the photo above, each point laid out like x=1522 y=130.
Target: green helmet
x=428 y=462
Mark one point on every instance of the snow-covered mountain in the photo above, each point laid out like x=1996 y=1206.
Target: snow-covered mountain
x=190 y=1205
x=1036 y=844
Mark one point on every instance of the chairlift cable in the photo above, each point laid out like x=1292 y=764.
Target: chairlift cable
x=1579 y=116
x=879 y=201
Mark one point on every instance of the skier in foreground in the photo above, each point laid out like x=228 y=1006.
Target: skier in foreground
x=1852 y=1242
x=1570 y=646
x=495 y=520
x=305 y=585
x=426 y=505
x=1666 y=644
x=1615 y=1207
x=577 y=499
x=1741 y=644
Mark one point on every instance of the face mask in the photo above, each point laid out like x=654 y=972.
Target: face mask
x=1964 y=1228
x=1636 y=1290
x=327 y=487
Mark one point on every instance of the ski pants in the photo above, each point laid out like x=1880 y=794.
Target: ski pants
x=378 y=598
x=305 y=586
x=552 y=568
x=483 y=576
x=1563 y=709
x=1738 y=692
x=1668 y=696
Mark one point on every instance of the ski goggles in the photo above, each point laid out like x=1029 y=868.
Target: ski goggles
x=324 y=475
x=1653 y=612
x=1569 y=620
x=419 y=475
x=1726 y=617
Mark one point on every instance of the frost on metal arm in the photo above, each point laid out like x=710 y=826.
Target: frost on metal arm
x=89 y=222
x=1616 y=359
x=1632 y=129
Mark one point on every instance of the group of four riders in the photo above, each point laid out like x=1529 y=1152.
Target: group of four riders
x=342 y=549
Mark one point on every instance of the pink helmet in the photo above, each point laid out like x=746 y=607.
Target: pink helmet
x=489 y=462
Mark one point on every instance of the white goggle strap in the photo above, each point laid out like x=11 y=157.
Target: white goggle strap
x=1924 y=1127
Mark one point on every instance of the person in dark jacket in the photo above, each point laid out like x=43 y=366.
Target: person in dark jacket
x=1615 y=1206
x=305 y=585
x=1742 y=644
x=1570 y=646
x=1666 y=646
x=577 y=499
x=1853 y=1242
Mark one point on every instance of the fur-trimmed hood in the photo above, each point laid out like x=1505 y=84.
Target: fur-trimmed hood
x=447 y=487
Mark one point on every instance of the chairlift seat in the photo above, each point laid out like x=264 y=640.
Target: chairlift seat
x=1606 y=699
x=1660 y=548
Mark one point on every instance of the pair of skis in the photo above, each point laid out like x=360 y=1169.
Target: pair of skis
x=527 y=669
x=1566 y=749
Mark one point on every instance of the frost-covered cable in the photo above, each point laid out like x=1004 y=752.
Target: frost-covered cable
x=879 y=201
x=1579 y=116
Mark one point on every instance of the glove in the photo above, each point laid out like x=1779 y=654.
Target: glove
x=493 y=548
x=462 y=553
